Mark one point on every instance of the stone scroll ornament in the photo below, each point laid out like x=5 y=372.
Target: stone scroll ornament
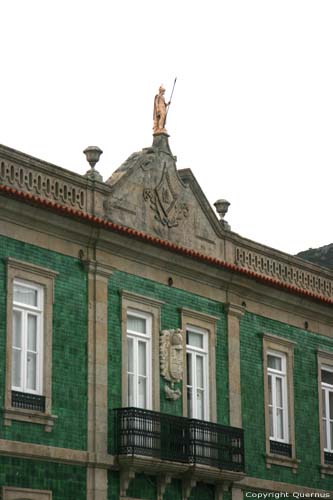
x=172 y=361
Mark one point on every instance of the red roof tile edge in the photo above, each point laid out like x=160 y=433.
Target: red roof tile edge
x=57 y=207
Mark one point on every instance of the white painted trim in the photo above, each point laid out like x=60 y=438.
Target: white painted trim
x=146 y=339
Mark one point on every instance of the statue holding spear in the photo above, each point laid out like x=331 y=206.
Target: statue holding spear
x=161 y=110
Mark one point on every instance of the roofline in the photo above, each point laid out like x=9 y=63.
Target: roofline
x=106 y=224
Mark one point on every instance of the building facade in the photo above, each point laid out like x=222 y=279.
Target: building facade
x=149 y=352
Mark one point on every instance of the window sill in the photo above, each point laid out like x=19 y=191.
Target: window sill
x=34 y=417
x=272 y=459
x=326 y=470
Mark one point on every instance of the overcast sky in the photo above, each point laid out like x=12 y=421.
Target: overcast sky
x=252 y=112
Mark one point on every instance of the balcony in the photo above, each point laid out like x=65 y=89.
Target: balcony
x=150 y=441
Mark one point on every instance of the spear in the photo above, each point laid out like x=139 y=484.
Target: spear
x=173 y=88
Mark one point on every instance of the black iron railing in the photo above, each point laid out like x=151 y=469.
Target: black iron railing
x=28 y=401
x=179 y=439
x=283 y=449
x=328 y=458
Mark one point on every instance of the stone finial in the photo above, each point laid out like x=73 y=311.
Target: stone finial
x=93 y=154
x=222 y=208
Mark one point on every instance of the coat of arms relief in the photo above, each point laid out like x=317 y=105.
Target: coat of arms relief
x=172 y=360
x=164 y=201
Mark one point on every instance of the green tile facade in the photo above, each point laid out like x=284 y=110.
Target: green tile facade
x=305 y=401
x=69 y=351
x=67 y=482
x=69 y=383
x=173 y=300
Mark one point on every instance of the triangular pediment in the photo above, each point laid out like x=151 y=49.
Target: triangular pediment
x=150 y=195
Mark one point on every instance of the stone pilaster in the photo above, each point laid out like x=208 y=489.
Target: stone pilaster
x=236 y=494
x=234 y=315
x=97 y=377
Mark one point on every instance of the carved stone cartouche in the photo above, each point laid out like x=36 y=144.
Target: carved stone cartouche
x=164 y=201
x=171 y=355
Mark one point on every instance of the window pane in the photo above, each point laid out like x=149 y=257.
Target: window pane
x=274 y=362
x=32 y=332
x=25 y=295
x=130 y=390
x=327 y=377
x=189 y=368
x=279 y=421
x=32 y=371
x=200 y=372
x=330 y=445
x=142 y=392
x=142 y=358
x=271 y=428
x=200 y=404
x=194 y=339
x=325 y=433
x=330 y=399
x=136 y=324
x=16 y=368
x=270 y=394
x=130 y=364
x=323 y=395
x=279 y=402
x=189 y=402
x=17 y=329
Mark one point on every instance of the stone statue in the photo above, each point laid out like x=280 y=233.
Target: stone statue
x=160 y=112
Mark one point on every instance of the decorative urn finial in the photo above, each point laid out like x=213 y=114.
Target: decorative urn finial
x=222 y=208
x=93 y=154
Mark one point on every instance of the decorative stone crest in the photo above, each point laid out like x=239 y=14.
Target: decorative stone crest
x=171 y=360
x=164 y=202
x=171 y=355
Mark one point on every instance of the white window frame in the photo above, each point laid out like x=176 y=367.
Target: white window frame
x=203 y=352
x=207 y=323
x=325 y=362
x=282 y=375
x=282 y=347
x=327 y=388
x=38 y=312
x=43 y=279
x=152 y=307
x=146 y=338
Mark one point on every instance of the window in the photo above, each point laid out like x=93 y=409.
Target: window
x=325 y=395
x=197 y=373
x=140 y=351
x=278 y=359
x=139 y=361
x=277 y=397
x=29 y=343
x=327 y=411
x=199 y=384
